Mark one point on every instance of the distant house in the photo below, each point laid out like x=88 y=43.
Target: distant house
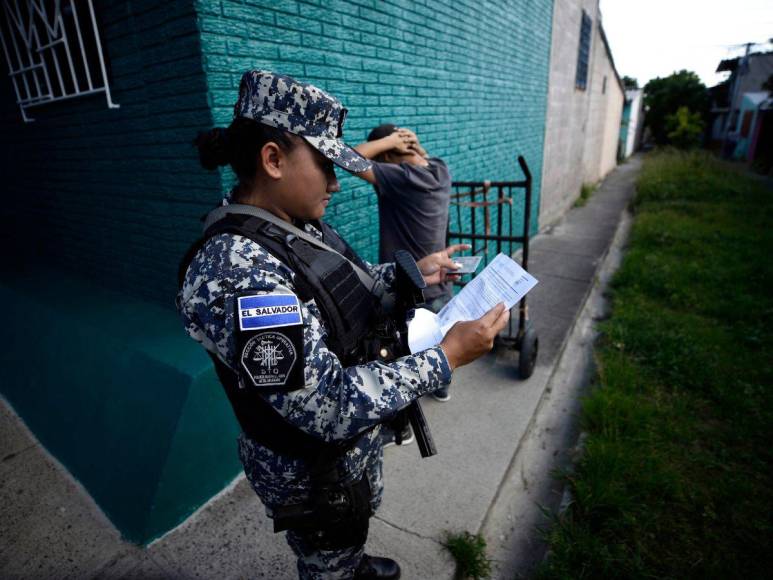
x=749 y=115
x=584 y=108
x=735 y=100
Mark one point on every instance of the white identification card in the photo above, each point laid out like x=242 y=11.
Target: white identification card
x=468 y=264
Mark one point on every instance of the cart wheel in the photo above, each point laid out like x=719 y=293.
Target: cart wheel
x=527 y=359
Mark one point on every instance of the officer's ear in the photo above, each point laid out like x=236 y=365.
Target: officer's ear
x=272 y=159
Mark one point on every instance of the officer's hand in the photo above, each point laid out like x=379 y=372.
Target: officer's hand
x=467 y=341
x=439 y=267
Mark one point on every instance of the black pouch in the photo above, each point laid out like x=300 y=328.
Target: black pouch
x=336 y=517
x=344 y=514
x=340 y=503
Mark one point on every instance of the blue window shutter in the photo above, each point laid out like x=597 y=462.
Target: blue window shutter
x=583 y=55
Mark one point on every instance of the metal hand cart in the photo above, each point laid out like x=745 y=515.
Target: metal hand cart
x=474 y=205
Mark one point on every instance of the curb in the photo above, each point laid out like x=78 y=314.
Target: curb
x=512 y=504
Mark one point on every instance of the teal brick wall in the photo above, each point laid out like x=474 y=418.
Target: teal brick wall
x=111 y=194
x=469 y=77
x=98 y=207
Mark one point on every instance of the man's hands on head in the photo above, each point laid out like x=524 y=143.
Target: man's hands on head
x=439 y=267
x=401 y=145
x=466 y=341
x=403 y=141
x=408 y=142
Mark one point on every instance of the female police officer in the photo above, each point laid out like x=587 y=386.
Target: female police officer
x=286 y=310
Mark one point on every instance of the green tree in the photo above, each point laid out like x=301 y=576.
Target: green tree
x=684 y=128
x=630 y=83
x=664 y=97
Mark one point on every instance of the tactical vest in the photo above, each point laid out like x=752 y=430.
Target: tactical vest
x=350 y=311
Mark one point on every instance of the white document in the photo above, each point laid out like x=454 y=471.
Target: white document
x=423 y=330
x=503 y=280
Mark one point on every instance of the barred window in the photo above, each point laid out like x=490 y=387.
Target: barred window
x=583 y=55
x=53 y=51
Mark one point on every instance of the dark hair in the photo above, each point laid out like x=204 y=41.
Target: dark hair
x=238 y=145
x=379 y=133
x=382 y=131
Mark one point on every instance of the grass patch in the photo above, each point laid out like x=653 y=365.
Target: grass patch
x=586 y=191
x=676 y=478
x=469 y=551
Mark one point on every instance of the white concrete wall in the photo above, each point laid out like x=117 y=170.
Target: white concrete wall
x=594 y=132
x=602 y=134
x=607 y=100
x=582 y=126
x=635 y=121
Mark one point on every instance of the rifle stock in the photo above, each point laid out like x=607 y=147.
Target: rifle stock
x=409 y=286
x=421 y=430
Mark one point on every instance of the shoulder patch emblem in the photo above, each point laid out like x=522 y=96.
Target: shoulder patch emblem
x=269 y=341
x=268 y=358
x=268 y=311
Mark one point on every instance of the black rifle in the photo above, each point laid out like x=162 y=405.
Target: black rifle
x=409 y=290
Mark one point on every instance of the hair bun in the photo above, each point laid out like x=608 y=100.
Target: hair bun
x=214 y=148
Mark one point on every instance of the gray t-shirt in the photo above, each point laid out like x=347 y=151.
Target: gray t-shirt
x=413 y=211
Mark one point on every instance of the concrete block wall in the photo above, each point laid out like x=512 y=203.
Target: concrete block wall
x=568 y=125
x=594 y=135
x=110 y=194
x=607 y=97
x=469 y=77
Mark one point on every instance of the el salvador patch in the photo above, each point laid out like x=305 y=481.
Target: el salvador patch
x=269 y=341
x=268 y=311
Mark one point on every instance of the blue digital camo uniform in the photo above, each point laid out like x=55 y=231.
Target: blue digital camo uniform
x=336 y=403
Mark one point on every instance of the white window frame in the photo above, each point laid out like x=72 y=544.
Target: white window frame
x=31 y=33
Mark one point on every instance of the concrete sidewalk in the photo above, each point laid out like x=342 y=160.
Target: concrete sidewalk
x=49 y=527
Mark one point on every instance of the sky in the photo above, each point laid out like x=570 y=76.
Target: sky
x=654 y=38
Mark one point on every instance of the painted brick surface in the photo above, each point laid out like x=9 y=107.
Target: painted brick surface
x=113 y=195
x=109 y=198
x=469 y=77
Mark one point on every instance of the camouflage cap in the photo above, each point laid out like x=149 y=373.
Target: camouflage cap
x=302 y=109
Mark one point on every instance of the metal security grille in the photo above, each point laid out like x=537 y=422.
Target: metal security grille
x=53 y=51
